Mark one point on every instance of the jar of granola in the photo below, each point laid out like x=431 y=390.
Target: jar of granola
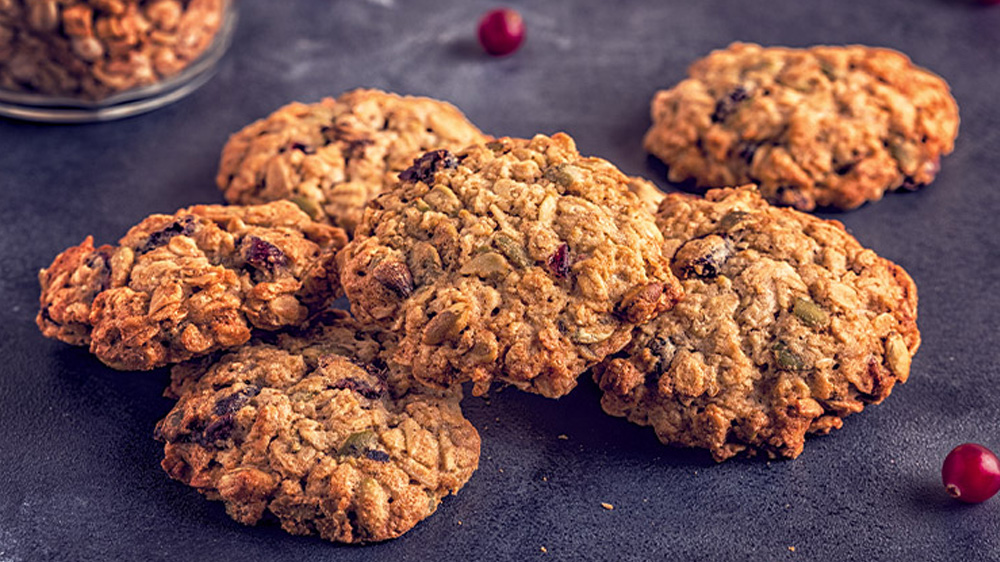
x=93 y=60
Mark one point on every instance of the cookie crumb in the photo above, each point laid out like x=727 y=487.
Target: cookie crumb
x=607 y=506
x=544 y=549
x=563 y=436
x=791 y=548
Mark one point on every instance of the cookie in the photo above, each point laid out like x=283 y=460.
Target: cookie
x=312 y=432
x=515 y=260
x=332 y=157
x=182 y=285
x=825 y=126
x=647 y=192
x=787 y=325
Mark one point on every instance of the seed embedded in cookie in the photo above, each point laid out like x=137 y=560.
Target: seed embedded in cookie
x=332 y=157
x=183 y=285
x=314 y=431
x=516 y=260
x=824 y=126
x=787 y=325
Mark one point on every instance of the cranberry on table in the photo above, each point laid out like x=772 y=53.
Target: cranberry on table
x=971 y=473
x=501 y=32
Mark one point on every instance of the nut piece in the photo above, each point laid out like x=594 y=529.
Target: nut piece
x=810 y=313
x=446 y=326
x=395 y=276
x=702 y=257
x=644 y=302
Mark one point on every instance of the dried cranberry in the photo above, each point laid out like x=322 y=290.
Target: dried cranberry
x=559 y=261
x=181 y=227
x=361 y=387
x=748 y=150
x=501 y=32
x=424 y=168
x=236 y=400
x=725 y=107
x=971 y=473
x=303 y=148
x=218 y=430
x=263 y=254
x=377 y=456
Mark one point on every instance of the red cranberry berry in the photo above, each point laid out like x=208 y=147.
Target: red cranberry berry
x=971 y=473
x=501 y=32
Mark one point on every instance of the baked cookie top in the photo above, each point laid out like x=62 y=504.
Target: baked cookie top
x=647 y=192
x=311 y=432
x=825 y=126
x=786 y=326
x=517 y=260
x=332 y=157
x=182 y=285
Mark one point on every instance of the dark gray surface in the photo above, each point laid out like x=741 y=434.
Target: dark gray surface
x=79 y=475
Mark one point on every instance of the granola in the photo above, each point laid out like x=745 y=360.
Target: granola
x=92 y=49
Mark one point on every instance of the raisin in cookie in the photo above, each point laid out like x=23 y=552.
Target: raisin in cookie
x=826 y=126
x=517 y=260
x=786 y=326
x=314 y=433
x=178 y=286
x=332 y=157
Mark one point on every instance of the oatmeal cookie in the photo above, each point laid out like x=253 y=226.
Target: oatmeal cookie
x=311 y=431
x=187 y=284
x=647 y=192
x=825 y=126
x=517 y=260
x=786 y=326
x=332 y=157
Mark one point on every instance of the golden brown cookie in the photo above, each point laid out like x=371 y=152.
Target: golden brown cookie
x=332 y=157
x=825 y=126
x=515 y=260
x=787 y=325
x=311 y=430
x=182 y=285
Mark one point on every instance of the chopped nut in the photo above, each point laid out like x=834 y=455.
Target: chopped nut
x=446 y=326
x=357 y=444
x=702 y=257
x=810 y=313
x=787 y=359
x=512 y=249
x=308 y=206
x=593 y=335
x=395 y=276
x=560 y=175
x=486 y=265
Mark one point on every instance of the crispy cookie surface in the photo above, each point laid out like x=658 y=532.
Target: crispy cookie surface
x=332 y=157
x=182 y=285
x=516 y=260
x=825 y=126
x=787 y=325
x=310 y=430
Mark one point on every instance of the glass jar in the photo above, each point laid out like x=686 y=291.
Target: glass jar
x=95 y=60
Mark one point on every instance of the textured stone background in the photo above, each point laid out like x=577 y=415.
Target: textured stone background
x=79 y=475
